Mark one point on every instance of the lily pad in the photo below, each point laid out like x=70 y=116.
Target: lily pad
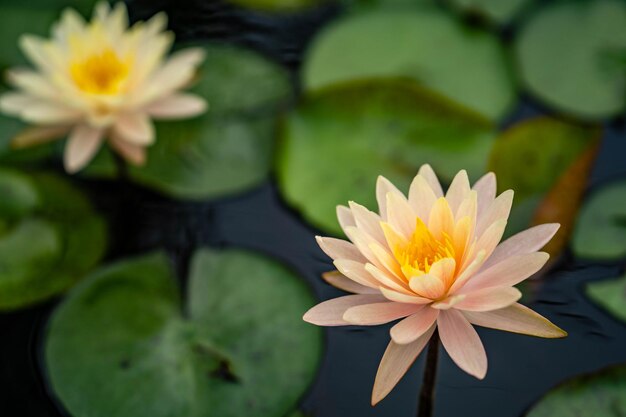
x=610 y=294
x=50 y=237
x=601 y=394
x=121 y=343
x=279 y=6
x=464 y=64
x=572 y=56
x=498 y=11
x=229 y=148
x=336 y=143
x=601 y=228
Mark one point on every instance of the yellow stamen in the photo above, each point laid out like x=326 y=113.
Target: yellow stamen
x=102 y=73
x=422 y=250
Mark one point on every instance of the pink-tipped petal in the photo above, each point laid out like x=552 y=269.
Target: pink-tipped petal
x=468 y=207
x=339 y=249
x=368 y=221
x=499 y=209
x=356 y=271
x=468 y=273
x=429 y=175
x=384 y=187
x=459 y=188
x=462 y=343
x=448 y=302
x=379 y=313
x=491 y=237
x=528 y=241
x=82 y=144
x=345 y=217
x=485 y=187
x=516 y=319
x=177 y=106
x=135 y=154
x=387 y=279
x=338 y=280
x=489 y=299
x=507 y=273
x=400 y=215
x=428 y=286
x=421 y=197
x=401 y=297
x=135 y=128
x=330 y=313
x=394 y=364
x=414 y=326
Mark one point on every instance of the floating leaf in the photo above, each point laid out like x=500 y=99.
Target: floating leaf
x=50 y=237
x=226 y=150
x=336 y=143
x=466 y=65
x=572 y=56
x=279 y=5
x=610 y=294
x=499 y=11
x=601 y=394
x=601 y=228
x=121 y=343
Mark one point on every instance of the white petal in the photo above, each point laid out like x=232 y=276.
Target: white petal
x=135 y=128
x=177 y=106
x=82 y=144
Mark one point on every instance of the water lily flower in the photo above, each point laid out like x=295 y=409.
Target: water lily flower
x=434 y=261
x=101 y=81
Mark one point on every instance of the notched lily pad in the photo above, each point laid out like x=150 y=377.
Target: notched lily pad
x=336 y=143
x=122 y=344
x=49 y=237
x=466 y=65
x=601 y=394
x=571 y=55
x=601 y=228
x=229 y=148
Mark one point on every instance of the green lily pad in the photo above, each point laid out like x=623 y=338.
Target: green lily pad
x=279 y=6
x=610 y=294
x=49 y=239
x=466 y=65
x=498 y=11
x=601 y=228
x=601 y=394
x=121 y=343
x=229 y=148
x=572 y=56
x=336 y=143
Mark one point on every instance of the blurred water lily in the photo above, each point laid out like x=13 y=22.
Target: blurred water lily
x=434 y=261
x=101 y=81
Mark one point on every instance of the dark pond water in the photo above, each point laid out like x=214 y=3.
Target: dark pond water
x=521 y=368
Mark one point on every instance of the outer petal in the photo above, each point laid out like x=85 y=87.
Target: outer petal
x=339 y=249
x=528 y=241
x=429 y=175
x=136 y=128
x=517 y=319
x=345 y=217
x=383 y=187
x=356 y=271
x=421 y=197
x=82 y=145
x=135 y=154
x=32 y=82
x=338 y=280
x=468 y=272
x=330 y=313
x=462 y=343
x=459 y=188
x=177 y=106
x=394 y=364
x=485 y=187
x=387 y=279
x=400 y=215
x=489 y=299
x=507 y=273
x=499 y=209
x=368 y=221
x=401 y=297
x=491 y=237
x=379 y=313
x=414 y=326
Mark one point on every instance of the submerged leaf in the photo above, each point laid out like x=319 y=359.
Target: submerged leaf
x=335 y=144
x=466 y=65
x=122 y=344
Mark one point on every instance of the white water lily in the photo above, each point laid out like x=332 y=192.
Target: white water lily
x=101 y=81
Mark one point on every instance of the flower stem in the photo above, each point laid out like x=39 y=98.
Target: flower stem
x=427 y=393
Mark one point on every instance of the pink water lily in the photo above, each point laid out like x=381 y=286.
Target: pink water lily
x=434 y=261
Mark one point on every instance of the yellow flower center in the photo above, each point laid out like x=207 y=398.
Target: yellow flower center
x=102 y=73
x=422 y=251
